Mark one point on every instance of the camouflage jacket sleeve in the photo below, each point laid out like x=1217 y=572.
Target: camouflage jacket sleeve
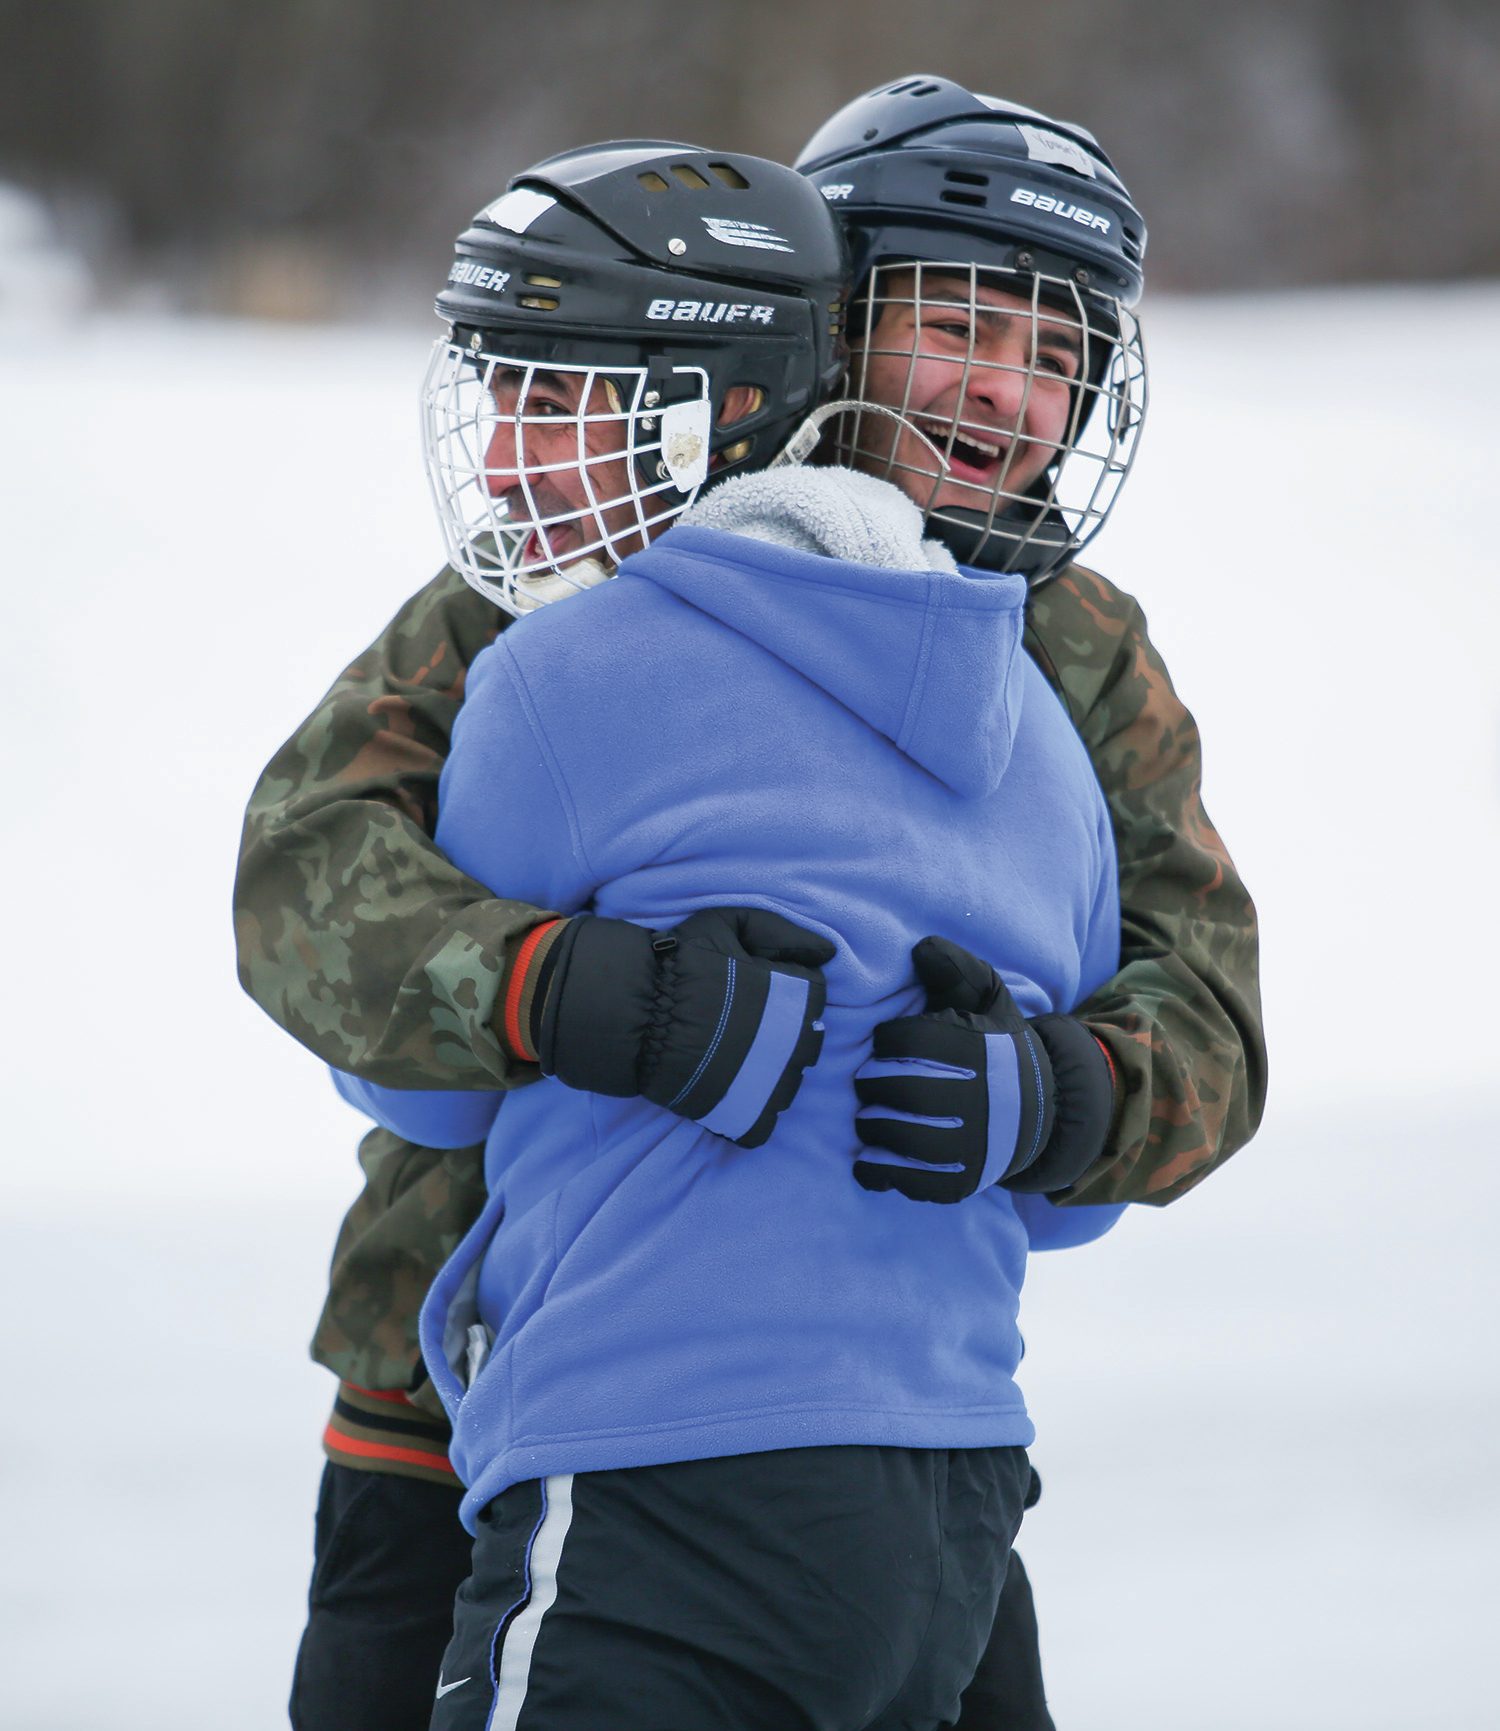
x=1181 y=1019
x=416 y=1204
x=354 y=933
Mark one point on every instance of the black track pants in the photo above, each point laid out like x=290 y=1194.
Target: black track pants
x=818 y=1589
x=390 y=1557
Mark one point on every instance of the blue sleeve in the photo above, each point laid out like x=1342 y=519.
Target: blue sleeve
x=1048 y=1226
x=505 y=813
x=1100 y=941
x=505 y=818
x=430 y=1117
x=1052 y=1228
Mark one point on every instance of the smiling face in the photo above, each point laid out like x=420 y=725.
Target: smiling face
x=547 y=476
x=987 y=374
x=562 y=456
x=558 y=460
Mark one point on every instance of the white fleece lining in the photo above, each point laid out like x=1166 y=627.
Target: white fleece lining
x=837 y=513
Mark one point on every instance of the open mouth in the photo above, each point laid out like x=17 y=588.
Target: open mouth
x=970 y=458
x=563 y=541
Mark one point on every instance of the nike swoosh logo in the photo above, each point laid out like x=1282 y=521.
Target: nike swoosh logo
x=448 y=1688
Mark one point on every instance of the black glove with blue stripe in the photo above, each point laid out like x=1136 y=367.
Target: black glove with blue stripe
x=715 y=1019
x=973 y=1093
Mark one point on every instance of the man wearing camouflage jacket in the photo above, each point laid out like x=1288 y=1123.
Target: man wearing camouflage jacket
x=357 y=936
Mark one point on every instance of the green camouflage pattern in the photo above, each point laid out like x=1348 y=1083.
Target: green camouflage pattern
x=416 y=1205
x=1181 y=1019
x=338 y=882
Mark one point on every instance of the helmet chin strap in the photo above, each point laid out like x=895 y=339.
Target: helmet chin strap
x=1004 y=545
x=970 y=536
x=540 y=587
x=801 y=444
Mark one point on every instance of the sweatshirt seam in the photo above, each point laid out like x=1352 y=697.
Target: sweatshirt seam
x=740 y=1415
x=1008 y=674
x=762 y=575
x=914 y=698
x=531 y=713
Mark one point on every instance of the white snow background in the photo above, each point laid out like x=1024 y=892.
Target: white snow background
x=1267 y=1415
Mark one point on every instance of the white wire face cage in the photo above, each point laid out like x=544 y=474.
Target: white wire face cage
x=536 y=471
x=971 y=356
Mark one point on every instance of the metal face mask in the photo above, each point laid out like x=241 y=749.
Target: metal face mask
x=546 y=476
x=1022 y=396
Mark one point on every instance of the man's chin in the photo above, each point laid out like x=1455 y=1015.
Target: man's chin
x=1003 y=492
x=539 y=587
x=968 y=492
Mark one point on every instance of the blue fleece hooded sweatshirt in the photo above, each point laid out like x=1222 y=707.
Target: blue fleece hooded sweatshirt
x=870 y=752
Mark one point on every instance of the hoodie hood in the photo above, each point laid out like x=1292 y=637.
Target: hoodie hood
x=828 y=571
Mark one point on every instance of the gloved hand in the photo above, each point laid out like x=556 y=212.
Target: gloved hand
x=715 y=1019
x=973 y=1093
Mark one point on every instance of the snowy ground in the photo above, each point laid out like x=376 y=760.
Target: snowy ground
x=1267 y=1415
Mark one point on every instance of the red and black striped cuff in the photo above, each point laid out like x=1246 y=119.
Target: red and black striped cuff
x=380 y=1431
x=525 y=968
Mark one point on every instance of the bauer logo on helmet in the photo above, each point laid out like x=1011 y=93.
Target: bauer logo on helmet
x=711 y=312
x=481 y=276
x=1044 y=201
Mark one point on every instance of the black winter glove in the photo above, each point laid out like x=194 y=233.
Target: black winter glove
x=715 y=1019
x=973 y=1093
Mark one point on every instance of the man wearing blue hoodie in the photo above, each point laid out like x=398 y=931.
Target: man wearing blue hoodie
x=741 y=1435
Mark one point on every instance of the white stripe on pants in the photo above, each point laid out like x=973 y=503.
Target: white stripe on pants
x=541 y=1567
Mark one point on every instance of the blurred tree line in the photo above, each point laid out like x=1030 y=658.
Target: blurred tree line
x=326 y=151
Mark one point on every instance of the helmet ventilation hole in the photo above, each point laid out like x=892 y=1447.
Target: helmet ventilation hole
x=689 y=176
x=730 y=175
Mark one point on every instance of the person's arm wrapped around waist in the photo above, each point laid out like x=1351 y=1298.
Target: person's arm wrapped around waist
x=1181 y=1018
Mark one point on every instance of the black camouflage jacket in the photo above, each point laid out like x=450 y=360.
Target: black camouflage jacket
x=357 y=936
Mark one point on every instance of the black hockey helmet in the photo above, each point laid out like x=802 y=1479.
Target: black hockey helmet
x=972 y=194
x=645 y=249
x=670 y=272
x=913 y=164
